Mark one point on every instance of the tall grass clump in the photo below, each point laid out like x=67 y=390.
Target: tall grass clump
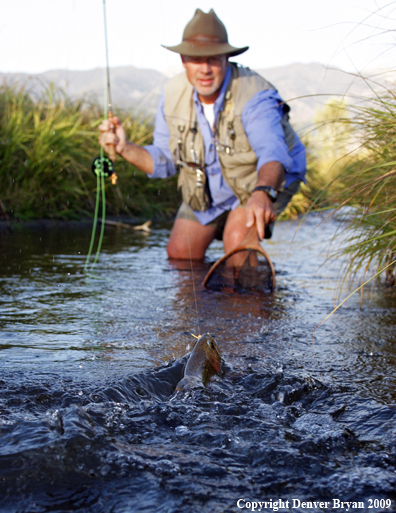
x=369 y=189
x=44 y=154
x=46 y=148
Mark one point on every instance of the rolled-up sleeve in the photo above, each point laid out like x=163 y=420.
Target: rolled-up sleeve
x=159 y=150
x=261 y=119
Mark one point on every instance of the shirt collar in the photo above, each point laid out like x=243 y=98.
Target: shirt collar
x=220 y=99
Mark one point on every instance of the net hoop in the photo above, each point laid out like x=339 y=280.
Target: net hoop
x=241 y=247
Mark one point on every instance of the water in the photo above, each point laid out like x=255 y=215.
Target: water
x=88 y=419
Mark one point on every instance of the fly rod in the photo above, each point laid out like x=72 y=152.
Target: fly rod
x=102 y=167
x=105 y=165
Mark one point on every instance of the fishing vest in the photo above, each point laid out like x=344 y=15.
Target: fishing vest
x=237 y=158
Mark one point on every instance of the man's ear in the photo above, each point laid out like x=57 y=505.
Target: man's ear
x=183 y=58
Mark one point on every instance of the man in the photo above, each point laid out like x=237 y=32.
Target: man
x=226 y=129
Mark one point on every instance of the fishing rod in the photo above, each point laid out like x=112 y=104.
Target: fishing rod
x=103 y=165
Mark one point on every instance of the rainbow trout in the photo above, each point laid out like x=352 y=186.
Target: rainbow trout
x=203 y=363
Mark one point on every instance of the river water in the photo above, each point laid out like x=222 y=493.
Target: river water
x=88 y=417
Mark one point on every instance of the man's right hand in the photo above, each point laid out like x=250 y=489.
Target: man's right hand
x=112 y=133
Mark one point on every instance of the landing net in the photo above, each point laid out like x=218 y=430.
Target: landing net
x=245 y=270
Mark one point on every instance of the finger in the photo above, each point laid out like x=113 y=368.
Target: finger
x=249 y=217
x=266 y=217
x=113 y=123
x=104 y=126
x=107 y=139
x=271 y=217
x=260 y=224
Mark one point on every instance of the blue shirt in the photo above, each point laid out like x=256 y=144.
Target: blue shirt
x=261 y=118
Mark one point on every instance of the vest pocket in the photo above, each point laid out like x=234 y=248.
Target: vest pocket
x=241 y=141
x=193 y=183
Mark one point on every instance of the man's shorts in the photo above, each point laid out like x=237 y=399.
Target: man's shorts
x=280 y=204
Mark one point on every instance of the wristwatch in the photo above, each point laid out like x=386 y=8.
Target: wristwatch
x=270 y=191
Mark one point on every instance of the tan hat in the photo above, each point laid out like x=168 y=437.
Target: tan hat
x=205 y=35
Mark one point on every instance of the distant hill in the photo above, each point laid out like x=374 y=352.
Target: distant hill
x=303 y=86
x=130 y=87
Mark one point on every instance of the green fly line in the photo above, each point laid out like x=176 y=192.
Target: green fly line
x=100 y=188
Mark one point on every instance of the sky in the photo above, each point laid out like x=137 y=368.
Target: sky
x=41 y=35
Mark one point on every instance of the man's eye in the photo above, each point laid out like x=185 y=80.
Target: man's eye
x=215 y=61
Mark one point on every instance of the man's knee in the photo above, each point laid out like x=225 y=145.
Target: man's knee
x=185 y=246
x=177 y=248
x=189 y=239
x=235 y=230
x=234 y=235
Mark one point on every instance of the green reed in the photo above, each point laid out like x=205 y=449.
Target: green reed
x=47 y=144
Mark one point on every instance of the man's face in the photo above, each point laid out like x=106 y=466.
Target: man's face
x=206 y=75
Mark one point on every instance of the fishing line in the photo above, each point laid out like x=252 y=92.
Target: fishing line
x=185 y=211
x=99 y=187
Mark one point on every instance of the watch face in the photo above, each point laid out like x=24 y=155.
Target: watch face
x=270 y=191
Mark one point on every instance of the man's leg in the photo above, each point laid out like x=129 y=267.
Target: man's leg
x=189 y=239
x=235 y=229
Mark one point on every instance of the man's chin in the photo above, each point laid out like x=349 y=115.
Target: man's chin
x=207 y=91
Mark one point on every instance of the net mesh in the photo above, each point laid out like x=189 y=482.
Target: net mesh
x=247 y=269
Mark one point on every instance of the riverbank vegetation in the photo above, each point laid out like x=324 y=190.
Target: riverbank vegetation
x=352 y=173
x=368 y=189
x=47 y=145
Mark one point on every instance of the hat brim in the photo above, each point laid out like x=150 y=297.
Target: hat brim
x=205 y=49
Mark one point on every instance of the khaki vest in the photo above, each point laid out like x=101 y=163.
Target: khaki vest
x=237 y=158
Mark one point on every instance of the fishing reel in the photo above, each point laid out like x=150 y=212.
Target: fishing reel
x=104 y=166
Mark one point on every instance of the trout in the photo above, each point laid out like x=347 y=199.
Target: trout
x=203 y=363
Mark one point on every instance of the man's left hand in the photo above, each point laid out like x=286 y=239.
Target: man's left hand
x=260 y=210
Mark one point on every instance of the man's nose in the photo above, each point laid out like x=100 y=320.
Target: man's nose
x=205 y=67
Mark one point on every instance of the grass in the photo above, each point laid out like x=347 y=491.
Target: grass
x=369 y=187
x=47 y=145
x=352 y=163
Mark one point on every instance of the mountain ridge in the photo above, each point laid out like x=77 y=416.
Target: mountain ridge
x=304 y=86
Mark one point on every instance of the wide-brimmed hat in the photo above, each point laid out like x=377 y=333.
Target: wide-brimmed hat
x=205 y=35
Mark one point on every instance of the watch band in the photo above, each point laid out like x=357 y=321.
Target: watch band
x=270 y=191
